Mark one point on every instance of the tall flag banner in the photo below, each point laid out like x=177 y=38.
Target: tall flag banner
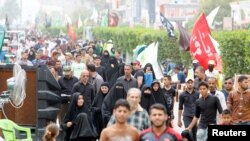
x=217 y=54
x=138 y=50
x=184 y=37
x=210 y=17
x=201 y=46
x=167 y=25
x=68 y=20
x=151 y=50
x=2 y=34
x=48 y=21
x=105 y=19
x=79 y=22
x=94 y=15
x=71 y=32
x=113 y=19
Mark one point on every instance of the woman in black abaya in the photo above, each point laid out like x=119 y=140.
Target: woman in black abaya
x=147 y=98
x=116 y=92
x=158 y=93
x=105 y=59
x=97 y=106
x=77 y=121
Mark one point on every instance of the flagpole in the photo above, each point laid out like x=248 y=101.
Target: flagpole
x=233 y=21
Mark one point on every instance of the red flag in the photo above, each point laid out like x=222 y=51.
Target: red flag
x=201 y=46
x=113 y=19
x=71 y=32
x=76 y=23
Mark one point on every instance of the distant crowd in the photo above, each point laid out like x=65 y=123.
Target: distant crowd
x=103 y=97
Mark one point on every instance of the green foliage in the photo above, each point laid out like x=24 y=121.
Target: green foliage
x=56 y=31
x=235 y=52
x=234 y=45
x=53 y=31
x=126 y=39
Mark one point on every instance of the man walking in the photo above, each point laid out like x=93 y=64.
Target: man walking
x=239 y=102
x=187 y=102
x=206 y=109
x=159 y=131
x=120 y=131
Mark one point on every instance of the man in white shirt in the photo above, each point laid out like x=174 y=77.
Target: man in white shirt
x=77 y=67
x=211 y=72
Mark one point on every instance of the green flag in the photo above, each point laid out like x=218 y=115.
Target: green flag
x=138 y=50
x=105 y=19
x=2 y=34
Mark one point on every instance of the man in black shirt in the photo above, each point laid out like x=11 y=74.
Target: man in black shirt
x=100 y=69
x=66 y=83
x=206 y=109
x=169 y=94
x=187 y=101
x=85 y=88
x=128 y=80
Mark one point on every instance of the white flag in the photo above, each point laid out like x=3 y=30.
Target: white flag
x=94 y=15
x=79 y=24
x=150 y=55
x=68 y=20
x=210 y=17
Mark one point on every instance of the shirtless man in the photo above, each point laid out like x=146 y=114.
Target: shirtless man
x=120 y=131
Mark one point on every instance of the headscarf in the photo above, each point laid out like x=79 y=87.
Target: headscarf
x=74 y=110
x=97 y=103
x=158 y=95
x=105 y=59
x=116 y=92
x=152 y=69
x=147 y=99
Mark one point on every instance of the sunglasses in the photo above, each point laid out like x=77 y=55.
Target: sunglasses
x=227 y=83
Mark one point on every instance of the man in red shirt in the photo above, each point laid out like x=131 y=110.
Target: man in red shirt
x=159 y=130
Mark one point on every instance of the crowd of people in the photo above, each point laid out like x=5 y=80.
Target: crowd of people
x=104 y=98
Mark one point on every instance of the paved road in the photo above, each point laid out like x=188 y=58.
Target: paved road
x=176 y=127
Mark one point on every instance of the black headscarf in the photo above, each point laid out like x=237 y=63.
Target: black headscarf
x=112 y=71
x=158 y=95
x=152 y=69
x=97 y=106
x=31 y=55
x=97 y=103
x=147 y=99
x=71 y=115
x=105 y=59
x=74 y=110
x=116 y=92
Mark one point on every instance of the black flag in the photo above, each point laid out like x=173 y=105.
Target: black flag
x=184 y=37
x=166 y=23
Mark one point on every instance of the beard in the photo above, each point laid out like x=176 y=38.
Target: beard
x=244 y=88
x=211 y=68
x=159 y=124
